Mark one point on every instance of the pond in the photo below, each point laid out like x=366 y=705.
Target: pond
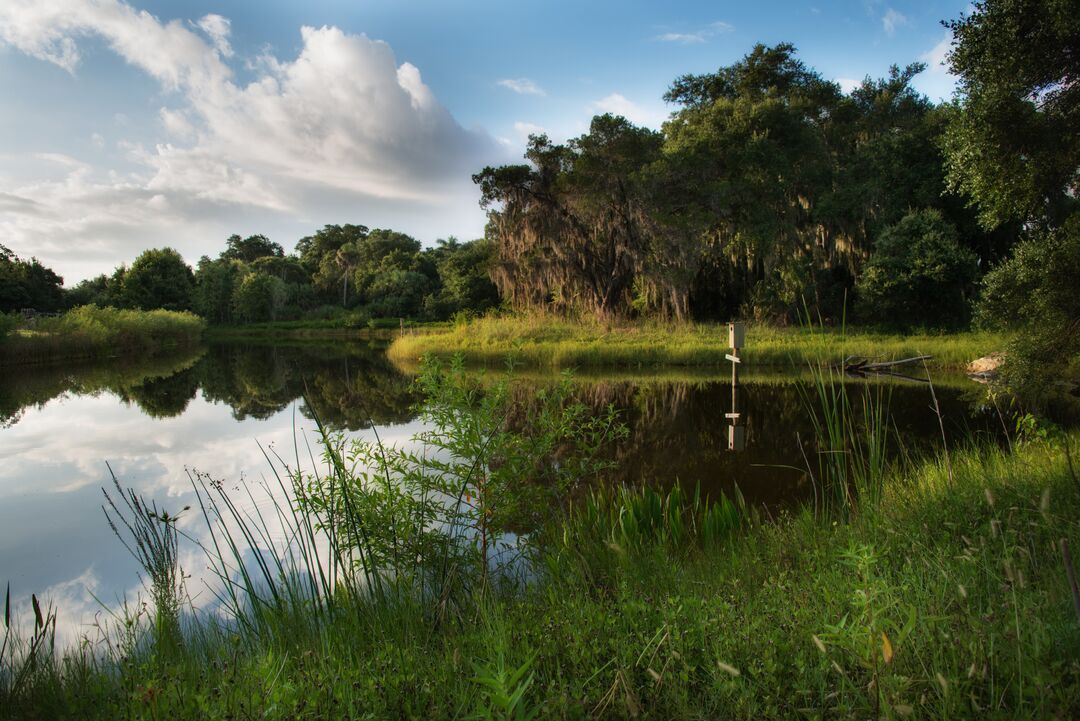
x=218 y=410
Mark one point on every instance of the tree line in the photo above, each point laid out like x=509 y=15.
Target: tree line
x=374 y=273
x=770 y=193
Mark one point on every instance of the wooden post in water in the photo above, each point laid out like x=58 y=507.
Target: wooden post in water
x=736 y=431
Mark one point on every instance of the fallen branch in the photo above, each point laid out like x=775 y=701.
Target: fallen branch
x=854 y=364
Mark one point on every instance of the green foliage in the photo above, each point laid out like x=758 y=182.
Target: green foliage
x=1034 y=292
x=918 y=275
x=251 y=249
x=158 y=278
x=1013 y=146
x=259 y=297
x=397 y=293
x=484 y=466
x=331 y=256
x=571 y=232
x=28 y=284
x=643 y=519
x=542 y=340
x=98 y=291
x=944 y=601
x=8 y=323
x=150 y=535
x=464 y=274
x=764 y=195
x=215 y=283
x=89 y=331
x=503 y=691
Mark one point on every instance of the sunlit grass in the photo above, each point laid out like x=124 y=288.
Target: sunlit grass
x=554 y=342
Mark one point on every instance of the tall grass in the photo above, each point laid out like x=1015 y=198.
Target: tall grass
x=91 y=332
x=556 y=342
x=151 y=537
x=848 y=459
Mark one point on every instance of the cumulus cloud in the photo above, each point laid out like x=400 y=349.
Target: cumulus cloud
x=521 y=86
x=937 y=82
x=848 y=84
x=343 y=119
x=217 y=28
x=937 y=56
x=618 y=104
x=892 y=20
x=697 y=36
x=526 y=129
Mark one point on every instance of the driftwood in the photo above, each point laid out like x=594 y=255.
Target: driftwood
x=854 y=363
x=857 y=366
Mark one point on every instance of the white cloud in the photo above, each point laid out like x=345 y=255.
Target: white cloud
x=341 y=126
x=697 y=36
x=218 y=29
x=683 y=38
x=521 y=86
x=848 y=84
x=618 y=104
x=892 y=20
x=936 y=81
x=526 y=129
x=177 y=123
x=936 y=57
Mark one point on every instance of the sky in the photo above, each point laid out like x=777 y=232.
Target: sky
x=132 y=124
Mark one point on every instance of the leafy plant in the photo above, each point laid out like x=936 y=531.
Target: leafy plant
x=451 y=507
x=503 y=690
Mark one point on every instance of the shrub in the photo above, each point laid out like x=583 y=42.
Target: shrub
x=259 y=297
x=8 y=323
x=918 y=275
x=1035 y=292
x=159 y=278
x=89 y=331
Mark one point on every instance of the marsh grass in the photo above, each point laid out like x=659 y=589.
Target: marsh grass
x=92 y=332
x=150 y=535
x=551 y=341
x=850 y=451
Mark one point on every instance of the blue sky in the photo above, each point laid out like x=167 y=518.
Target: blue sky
x=129 y=124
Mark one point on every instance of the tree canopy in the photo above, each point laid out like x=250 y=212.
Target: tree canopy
x=158 y=278
x=1013 y=143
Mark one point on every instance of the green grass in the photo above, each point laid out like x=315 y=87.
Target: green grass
x=944 y=598
x=337 y=327
x=553 y=342
x=92 y=332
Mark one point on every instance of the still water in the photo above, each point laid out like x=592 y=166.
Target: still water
x=154 y=422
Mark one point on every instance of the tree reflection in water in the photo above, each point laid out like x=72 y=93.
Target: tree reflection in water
x=679 y=432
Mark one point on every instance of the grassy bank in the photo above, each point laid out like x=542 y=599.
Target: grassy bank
x=553 y=342
x=339 y=327
x=92 y=332
x=945 y=597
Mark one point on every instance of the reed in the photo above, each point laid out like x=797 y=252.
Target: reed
x=151 y=537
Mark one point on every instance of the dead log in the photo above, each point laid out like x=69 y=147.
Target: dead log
x=853 y=364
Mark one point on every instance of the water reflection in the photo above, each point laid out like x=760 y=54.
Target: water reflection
x=153 y=419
